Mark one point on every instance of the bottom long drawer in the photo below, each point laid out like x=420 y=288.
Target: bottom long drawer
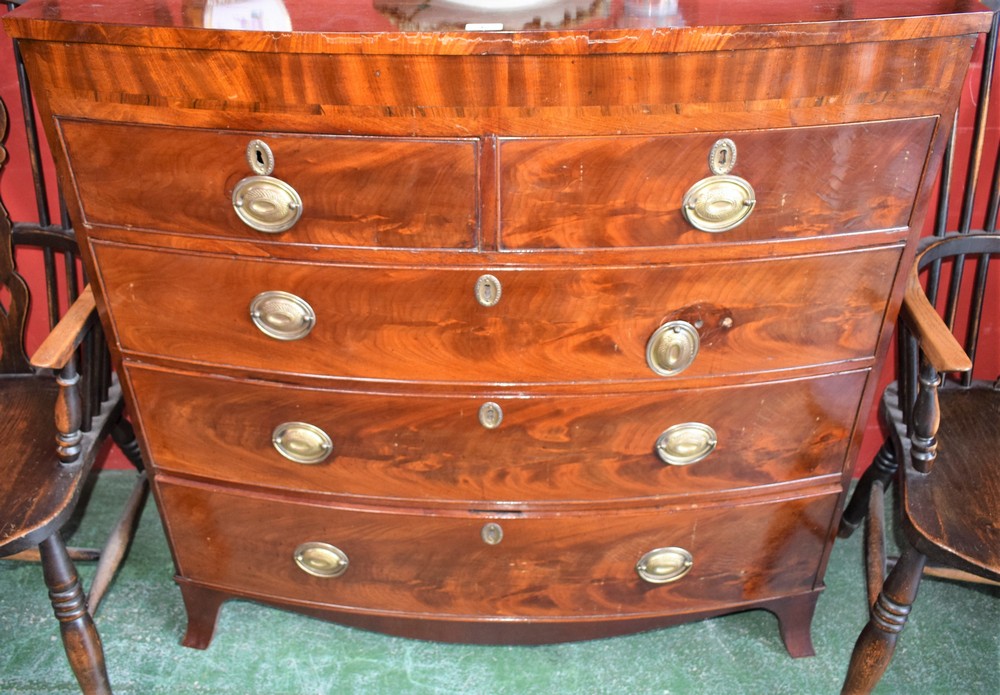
x=471 y=565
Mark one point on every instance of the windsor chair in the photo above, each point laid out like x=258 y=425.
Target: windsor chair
x=942 y=413
x=57 y=408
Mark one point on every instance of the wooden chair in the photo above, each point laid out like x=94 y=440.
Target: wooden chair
x=944 y=443
x=947 y=440
x=56 y=411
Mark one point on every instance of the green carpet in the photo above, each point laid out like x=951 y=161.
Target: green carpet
x=952 y=644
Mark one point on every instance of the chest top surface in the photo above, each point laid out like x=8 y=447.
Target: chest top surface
x=464 y=27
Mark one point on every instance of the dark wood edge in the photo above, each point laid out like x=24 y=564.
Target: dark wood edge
x=938 y=344
x=57 y=348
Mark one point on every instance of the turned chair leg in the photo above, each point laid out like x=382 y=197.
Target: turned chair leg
x=79 y=635
x=877 y=642
x=883 y=469
x=124 y=436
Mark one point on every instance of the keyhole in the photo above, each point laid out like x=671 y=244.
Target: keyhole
x=722 y=157
x=260 y=158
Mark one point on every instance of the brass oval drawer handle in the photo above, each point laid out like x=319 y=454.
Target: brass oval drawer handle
x=672 y=348
x=267 y=204
x=686 y=443
x=719 y=202
x=282 y=315
x=301 y=442
x=664 y=565
x=321 y=559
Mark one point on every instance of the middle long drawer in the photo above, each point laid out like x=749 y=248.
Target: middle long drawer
x=390 y=445
x=533 y=324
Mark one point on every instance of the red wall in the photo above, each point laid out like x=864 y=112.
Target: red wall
x=17 y=194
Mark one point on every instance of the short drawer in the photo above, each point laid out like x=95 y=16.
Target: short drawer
x=469 y=564
x=401 y=445
x=629 y=191
x=353 y=191
x=551 y=324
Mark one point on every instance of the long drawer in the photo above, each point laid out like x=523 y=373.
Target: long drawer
x=550 y=324
x=553 y=192
x=469 y=564
x=412 y=444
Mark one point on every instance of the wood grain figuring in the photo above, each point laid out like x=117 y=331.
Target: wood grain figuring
x=355 y=191
x=248 y=543
x=611 y=192
x=554 y=159
x=507 y=95
x=953 y=507
x=550 y=325
x=365 y=29
x=28 y=429
x=407 y=445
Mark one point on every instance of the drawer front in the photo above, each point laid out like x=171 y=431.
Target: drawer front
x=542 y=566
x=550 y=324
x=354 y=191
x=629 y=191
x=435 y=446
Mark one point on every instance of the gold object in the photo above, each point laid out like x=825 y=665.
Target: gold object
x=301 y=442
x=719 y=202
x=260 y=158
x=267 y=204
x=492 y=533
x=321 y=559
x=490 y=415
x=672 y=348
x=722 y=157
x=282 y=315
x=488 y=290
x=686 y=443
x=664 y=565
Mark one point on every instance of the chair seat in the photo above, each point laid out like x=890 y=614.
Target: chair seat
x=954 y=510
x=37 y=493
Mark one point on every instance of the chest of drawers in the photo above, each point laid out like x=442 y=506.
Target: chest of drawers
x=558 y=330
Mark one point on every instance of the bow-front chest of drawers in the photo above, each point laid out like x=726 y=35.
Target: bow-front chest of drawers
x=517 y=335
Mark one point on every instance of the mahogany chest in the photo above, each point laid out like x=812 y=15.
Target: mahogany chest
x=520 y=325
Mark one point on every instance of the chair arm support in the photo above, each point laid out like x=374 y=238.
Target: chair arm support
x=57 y=348
x=937 y=343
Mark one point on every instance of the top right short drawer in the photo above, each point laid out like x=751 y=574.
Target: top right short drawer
x=607 y=192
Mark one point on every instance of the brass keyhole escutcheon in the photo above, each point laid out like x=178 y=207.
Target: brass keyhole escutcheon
x=490 y=415
x=491 y=533
x=260 y=158
x=488 y=290
x=672 y=348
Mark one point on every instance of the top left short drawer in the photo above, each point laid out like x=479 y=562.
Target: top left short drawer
x=334 y=190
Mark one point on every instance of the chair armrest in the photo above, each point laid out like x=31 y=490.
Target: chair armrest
x=58 y=346
x=937 y=343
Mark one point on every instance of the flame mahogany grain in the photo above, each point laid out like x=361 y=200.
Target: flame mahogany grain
x=555 y=158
